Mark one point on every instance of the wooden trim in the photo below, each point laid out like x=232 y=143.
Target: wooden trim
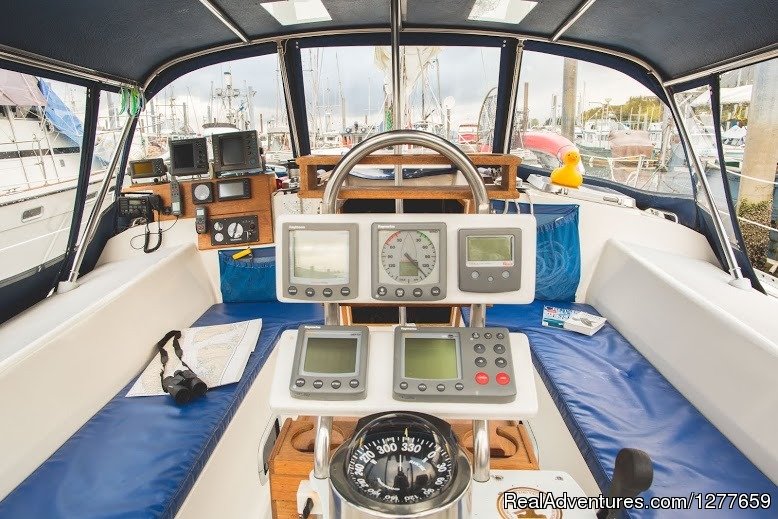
x=310 y=188
x=262 y=188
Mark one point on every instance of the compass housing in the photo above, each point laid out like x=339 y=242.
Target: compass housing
x=400 y=465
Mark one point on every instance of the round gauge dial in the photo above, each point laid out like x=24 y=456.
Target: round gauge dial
x=408 y=257
x=405 y=464
x=235 y=230
x=202 y=192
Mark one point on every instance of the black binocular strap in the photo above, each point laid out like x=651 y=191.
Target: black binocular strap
x=163 y=355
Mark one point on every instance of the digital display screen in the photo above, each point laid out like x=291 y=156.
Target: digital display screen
x=231 y=190
x=330 y=355
x=490 y=250
x=183 y=155
x=319 y=257
x=433 y=358
x=143 y=169
x=232 y=150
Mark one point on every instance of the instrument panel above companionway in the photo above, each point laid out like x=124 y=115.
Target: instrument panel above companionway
x=406 y=258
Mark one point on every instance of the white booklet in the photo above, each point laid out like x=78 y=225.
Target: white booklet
x=573 y=320
x=217 y=354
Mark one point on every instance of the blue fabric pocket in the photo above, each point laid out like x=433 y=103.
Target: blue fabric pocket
x=248 y=280
x=558 y=257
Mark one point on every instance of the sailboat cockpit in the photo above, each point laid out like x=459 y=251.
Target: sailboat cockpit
x=474 y=259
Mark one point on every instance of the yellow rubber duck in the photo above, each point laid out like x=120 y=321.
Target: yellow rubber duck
x=568 y=174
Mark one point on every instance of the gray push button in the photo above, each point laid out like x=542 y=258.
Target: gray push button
x=487 y=335
x=422 y=387
x=354 y=383
x=506 y=274
x=480 y=362
x=459 y=386
x=318 y=384
x=300 y=382
x=381 y=291
x=499 y=349
x=345 y=291
x=310 y=292
x=292 y=291
x=403 y=385
x=500 y=335
x=475 y=335
x=417 y=292
x=399 y=292
x=500 y=362
x=435 y=291
x=474 y=274
x=479 y=348
x=335 y=384
x=441 y=387
x=327 y=292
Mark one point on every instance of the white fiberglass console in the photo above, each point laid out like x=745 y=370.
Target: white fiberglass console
x=406 y=258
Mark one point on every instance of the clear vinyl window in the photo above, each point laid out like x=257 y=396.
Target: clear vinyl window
x=348 y=94
x=41 y=133
x=624 y=132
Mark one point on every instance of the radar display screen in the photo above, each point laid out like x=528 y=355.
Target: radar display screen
x=319 y=257
x=183 y=155
x=330 y=355
x=232 y=150
x=432 y=358
x=490 y=251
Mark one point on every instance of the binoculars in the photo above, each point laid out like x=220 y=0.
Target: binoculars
x=184 y=386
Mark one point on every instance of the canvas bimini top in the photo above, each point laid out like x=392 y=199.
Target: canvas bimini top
x=127 y=42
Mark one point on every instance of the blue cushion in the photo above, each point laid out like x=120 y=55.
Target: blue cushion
x=611 y=397
x=140 y=457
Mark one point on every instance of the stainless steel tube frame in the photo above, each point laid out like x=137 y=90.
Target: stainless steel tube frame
x=415 y=138
x=738 y=279
x=481 y=452
x=321 y=447
x=94 y=216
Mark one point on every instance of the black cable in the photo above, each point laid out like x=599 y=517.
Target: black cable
x=146 y=236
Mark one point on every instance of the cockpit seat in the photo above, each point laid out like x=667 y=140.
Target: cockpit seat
x=140 y=457
x=611 y=397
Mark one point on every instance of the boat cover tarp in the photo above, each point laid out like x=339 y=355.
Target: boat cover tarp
x=611 y=397
x=140 y=457
x=130 y=39
x=62 y=117
x=17 y=89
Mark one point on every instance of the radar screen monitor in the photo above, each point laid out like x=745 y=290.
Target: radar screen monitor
x=409 y=261
x=453 y=365
x=236 y=151
x=319 y=261
x=489 y=260
x=147 y=168
x=330 y=363
x=188 y=157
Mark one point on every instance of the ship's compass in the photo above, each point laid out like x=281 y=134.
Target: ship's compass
x=400 y=464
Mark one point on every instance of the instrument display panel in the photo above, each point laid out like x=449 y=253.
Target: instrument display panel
x=409 y=261
x=489 y=260
x=434 y=364
x=320 y=261
x=330 y=363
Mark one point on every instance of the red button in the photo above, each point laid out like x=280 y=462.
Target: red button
x=503 y=378
x=482 y=378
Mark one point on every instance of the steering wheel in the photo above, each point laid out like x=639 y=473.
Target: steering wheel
x=400 y=137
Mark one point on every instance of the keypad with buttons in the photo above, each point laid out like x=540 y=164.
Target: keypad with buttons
x=486 y=370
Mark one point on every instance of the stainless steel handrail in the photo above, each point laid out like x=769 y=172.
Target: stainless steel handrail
x=399 y=137
x=416 y=138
